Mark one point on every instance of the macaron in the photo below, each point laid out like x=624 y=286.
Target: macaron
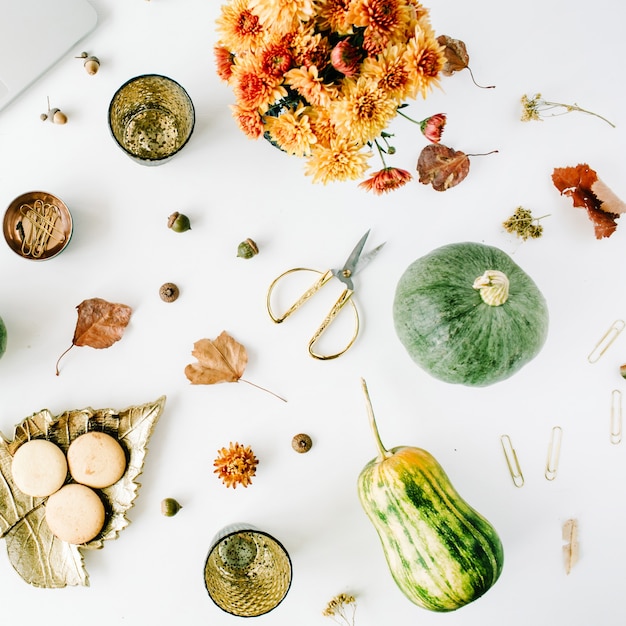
x=75 y=513
x=96 y=459
x=39 y=468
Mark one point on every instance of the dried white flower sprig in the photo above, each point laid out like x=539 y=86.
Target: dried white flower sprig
x=536 y=108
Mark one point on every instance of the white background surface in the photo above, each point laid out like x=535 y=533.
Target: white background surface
x=233 y=188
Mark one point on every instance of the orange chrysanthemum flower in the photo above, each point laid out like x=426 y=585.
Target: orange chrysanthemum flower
x=249 y=121
x=341 y=160
x=224 y=61
x=311 y=49
x=239 y=28
x=292 y=131
x=253 y=88
x=387 y=179
x=235 y=465
x=276 y=59
x=364 y=111
x=384 y=16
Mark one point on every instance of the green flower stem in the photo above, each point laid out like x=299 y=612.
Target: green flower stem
x=380 y=153
x=399 y=112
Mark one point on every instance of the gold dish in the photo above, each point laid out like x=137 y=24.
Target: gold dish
x=37 y=225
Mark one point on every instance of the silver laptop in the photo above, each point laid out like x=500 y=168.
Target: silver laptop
x=36 y=34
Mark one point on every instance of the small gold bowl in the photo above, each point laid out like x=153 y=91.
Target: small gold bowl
x=37 y=225
x=151 y=117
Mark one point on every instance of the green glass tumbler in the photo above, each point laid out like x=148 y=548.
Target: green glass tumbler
x=247 y=572
x=151 y=118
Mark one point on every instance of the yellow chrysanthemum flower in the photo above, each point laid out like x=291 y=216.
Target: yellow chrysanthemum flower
x=389 y=72
x=334 y=15
x=323 y=127
x=310 y=85
x=292 y=131
x=283 y=15
x=341 y=160
x=424 y=58
x=364 y=111
x=239 y=28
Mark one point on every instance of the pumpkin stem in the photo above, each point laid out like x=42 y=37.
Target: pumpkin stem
x=493 y=286
x=383 y=453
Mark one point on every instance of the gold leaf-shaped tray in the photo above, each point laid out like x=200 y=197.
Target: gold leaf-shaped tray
x=39 y=557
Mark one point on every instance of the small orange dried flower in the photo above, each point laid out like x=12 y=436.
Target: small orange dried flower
x=235 y=465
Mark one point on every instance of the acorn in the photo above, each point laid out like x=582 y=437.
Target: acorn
x=178 y=222
x=56 y=116
x=301 y=443
x=169 y=292
x=170 y=506
x=247 y=249
x=91 y=64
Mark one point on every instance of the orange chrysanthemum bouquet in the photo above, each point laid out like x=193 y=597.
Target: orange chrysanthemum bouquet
x=323 y=79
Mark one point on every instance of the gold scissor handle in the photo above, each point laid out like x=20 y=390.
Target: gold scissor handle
x=324 y=278
x=343 y=299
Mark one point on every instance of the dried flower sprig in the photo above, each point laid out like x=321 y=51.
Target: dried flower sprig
x=535 y=108
x=523 y=224
x=235 y=465
x=341 y=609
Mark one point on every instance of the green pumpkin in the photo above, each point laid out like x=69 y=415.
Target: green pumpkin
x=468 y=314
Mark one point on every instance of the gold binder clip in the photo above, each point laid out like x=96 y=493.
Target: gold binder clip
x=554 y=450
x=616 y=416
x=512 y=461
x=607 y=339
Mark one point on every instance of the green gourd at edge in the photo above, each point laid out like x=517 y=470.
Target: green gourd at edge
x=441 y=553
x=3 y=338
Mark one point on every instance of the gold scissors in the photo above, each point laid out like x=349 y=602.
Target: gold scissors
x=355 y=263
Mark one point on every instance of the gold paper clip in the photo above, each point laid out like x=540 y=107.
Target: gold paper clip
x=554 y=450
x=616 y=416
x=511 y=460
x=607 y=339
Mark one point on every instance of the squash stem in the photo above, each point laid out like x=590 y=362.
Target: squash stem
x=383 y=453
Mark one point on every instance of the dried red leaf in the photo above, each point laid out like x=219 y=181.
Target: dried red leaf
x=100 y=324
x=582 y=185
x=442 y=167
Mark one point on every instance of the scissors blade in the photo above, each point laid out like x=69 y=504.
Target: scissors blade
x=356 y=262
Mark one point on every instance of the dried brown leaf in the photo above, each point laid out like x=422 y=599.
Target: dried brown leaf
x=586 y=190
x=442 y=167
x=455 y=54
x=222 y=360
x=100 y=324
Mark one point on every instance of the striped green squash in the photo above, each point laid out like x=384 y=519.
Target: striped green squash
x=441 y=552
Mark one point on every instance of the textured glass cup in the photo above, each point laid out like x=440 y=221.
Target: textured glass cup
x=151 y=117
x=247 y=572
